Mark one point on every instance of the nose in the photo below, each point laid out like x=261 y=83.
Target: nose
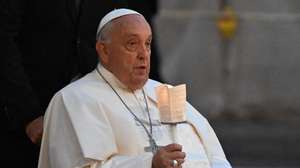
x=144 y=52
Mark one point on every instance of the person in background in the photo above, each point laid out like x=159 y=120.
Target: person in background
x=110 y=119
x=44 y=45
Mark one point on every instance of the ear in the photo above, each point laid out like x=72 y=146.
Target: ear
x=102 y=52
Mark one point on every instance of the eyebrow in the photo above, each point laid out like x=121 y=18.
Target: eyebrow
x=136 y=35
x=132 y=35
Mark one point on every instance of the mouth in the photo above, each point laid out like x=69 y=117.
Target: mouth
x=141 y=68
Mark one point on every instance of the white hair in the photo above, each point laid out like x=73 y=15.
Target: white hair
x=104 y=34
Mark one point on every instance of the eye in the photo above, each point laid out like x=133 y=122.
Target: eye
x=148 y=44
x=132 y=45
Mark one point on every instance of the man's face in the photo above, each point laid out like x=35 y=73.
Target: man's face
x=128 y=52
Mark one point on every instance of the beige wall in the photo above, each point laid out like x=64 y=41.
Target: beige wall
x=262 y=60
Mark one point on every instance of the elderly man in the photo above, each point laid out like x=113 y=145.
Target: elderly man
x=110 y=119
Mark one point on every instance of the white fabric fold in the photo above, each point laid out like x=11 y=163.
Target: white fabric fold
x=87 y=124
x=209 y=139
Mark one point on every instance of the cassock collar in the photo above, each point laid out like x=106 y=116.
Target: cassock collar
x=114 y=81
x=150 y=89
x=111 y=78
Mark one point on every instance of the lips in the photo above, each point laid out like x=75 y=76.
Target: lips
x=141 y=68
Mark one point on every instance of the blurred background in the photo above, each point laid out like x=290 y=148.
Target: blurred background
x=240 y=60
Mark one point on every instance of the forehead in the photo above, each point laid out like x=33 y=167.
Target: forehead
x=132 y=25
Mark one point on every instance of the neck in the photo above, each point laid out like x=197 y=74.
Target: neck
x=131 y=86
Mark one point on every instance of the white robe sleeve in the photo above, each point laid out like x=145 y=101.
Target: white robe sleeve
x=210 y=141
x=59 y=148
x=141 y=161
x=74 y=138
x=73 y=133
x=91 y=126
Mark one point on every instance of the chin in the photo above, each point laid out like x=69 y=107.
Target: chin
x=139 y=82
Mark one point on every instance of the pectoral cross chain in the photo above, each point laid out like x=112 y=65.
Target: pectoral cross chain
x=153 y=147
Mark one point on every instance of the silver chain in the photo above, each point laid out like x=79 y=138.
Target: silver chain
x=152 y=142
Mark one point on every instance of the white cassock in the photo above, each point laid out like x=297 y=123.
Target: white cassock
x=87 y=125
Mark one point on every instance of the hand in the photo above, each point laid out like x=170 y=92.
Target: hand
x=34 y=130
x=165 y=155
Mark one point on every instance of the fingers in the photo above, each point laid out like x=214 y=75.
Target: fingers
x=173 y=147
x=175 y=151
x=34 y=130
x=178 y=163
x=36 y=137
x=177 y=155
x=166 y=155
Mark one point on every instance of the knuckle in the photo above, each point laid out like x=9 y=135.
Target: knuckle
x=165 y=163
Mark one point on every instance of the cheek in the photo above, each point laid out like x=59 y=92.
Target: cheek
x=130 y=60
x=122 y=59
x=127 y=64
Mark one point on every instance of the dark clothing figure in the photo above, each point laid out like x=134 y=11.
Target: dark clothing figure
x=149 y=9
x=44 y=45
